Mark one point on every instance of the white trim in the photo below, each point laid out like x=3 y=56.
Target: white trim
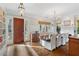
x=18 y=17
x=6 y=30
x=24 y=31
x=12 y=28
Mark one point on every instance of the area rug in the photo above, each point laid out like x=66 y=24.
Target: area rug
x=41 y=51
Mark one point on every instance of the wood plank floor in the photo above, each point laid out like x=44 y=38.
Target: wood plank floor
x=17 y=50
x=41 y=51
x=20 y=50
x=61 y=51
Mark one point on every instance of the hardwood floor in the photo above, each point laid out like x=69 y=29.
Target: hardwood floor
x=20 y=50
x=61 y=51
x=15 y=50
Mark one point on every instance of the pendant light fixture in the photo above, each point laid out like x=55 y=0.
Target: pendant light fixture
x=21 y=9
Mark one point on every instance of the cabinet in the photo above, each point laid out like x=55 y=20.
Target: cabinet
x=18 y=30
x=35 y=37
x=73 y=46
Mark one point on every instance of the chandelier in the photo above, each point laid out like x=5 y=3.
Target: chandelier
x=21 y=9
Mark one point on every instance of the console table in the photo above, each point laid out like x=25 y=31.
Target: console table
x=73 y=46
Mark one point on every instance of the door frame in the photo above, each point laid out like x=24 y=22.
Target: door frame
x=76 y=18
x=13 y=27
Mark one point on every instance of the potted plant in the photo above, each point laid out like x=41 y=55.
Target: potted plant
x=58 y=29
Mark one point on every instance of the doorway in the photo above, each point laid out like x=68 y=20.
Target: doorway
x=18 y=32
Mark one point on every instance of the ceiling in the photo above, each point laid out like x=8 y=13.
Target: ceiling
x=43 y=9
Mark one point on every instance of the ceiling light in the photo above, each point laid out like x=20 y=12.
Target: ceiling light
x=21 y=9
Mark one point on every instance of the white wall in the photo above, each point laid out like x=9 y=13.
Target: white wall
x=9 y=38
x=32 y=25
x=69 y=30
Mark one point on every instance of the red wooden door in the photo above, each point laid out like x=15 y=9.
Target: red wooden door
x=18 y=30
